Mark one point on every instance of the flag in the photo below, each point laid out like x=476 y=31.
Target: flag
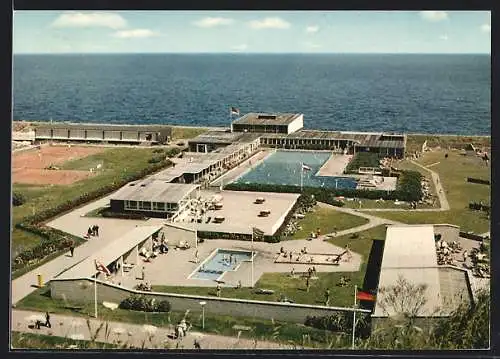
x=102 y=268
x=257 y=233
x=305 y=168
x=365 y=296
x=235 y=111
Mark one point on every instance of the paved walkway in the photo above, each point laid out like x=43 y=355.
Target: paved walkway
x=134 y=334
x=439 y=189
x=74 y=224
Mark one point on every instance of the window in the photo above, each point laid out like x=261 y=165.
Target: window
x=146 y=206
x=130 y=205
x=159 y=206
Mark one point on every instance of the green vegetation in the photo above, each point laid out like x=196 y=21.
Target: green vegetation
x=295 y=288
x=363 y=159
x=143 y=303
x=119 y=166
x=18 y=199
x=186 y=132
x=453 y=172
x=415 y=142
x=327 y=220
x=261 y=329
x=50 y=342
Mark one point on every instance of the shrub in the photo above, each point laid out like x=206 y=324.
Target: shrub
x=18 y=199
x=341 y=322
x=409 y=187
x=145 y=304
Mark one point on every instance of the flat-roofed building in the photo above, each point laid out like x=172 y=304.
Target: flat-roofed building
x=152 y=198
x=284 y=123
x=410 y=254
x=391 y=145
x=63 y=131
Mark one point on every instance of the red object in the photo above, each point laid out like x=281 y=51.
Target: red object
x=365 y=296
x=102 y=268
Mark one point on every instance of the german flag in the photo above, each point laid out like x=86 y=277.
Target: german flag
x=362 y=295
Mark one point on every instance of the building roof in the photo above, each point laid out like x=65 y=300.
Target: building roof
x=153 y=190
x=110 y=252
x=224 y=137
x=99 y=126
x=367 y=139
x=267 y=119
x=410 y=253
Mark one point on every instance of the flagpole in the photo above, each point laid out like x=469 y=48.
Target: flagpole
x=354 y=315
x=301 y=176
x=251 y=284
x=95 y=290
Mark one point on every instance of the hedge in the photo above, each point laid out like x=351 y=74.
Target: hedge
x=52 y=239
x=363 y=159
x=478 y=180
x=144 y=304
x=478 y=206
x=409 y=188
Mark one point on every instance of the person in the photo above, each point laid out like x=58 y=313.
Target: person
x=292 y=272
x=314 y=270
x=327 y=297
x=143 y=273
x=196 y=256
x=218 y=289
x=308 y=284
x=89 y=232
x=162 y=237
x=282 y=250
x=71 y=249
x=465 y=255
x=291 y=254
x=238 y=286
x=305 y=250
x=197 y=344
x=47 y=320
x=38 y=323
x=335 y=231
x=97 y=230
x=93 y=230
x=230 y=259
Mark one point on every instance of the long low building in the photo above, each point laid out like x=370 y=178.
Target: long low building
x=152 y=198
x=410 y=256
x=387 y=144
x=62 y=131
x=284 y=123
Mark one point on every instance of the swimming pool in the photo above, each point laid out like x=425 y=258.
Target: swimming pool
x=214 y=267
x=284 y=167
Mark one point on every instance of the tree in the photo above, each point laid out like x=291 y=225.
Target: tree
x=403 y=298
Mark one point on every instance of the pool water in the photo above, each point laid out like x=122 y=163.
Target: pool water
x=215 y=266
x=284 y=167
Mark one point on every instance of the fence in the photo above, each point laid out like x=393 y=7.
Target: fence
x=81 y=291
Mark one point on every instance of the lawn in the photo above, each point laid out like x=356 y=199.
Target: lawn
x=453 y=172
x=328 y=220
x=415 y=142
x=186 y=132
x=262 y=329
x=295 y=288
x=116 y=163
x=39 y=341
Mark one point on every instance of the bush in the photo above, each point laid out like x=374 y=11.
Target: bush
x=409 y=187
x=144 y=304
x=341 y=322
x=18 y=199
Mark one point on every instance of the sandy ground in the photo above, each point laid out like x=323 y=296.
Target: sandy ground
x=28 y=167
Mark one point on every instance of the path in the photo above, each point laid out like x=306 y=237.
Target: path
x=134 y=334
x=77 y=225
x=437 y=183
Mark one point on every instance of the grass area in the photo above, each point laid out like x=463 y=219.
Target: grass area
x=186 y=132
x=415 y=142
x=373 y=204
x=40 y=341
x=117 y=162
x=453 y=172
x=262 y=329
x=328 y=220
x=295 y=287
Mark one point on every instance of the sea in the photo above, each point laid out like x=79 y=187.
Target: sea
x=412 y=93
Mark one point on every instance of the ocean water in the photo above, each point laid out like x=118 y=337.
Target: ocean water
x=409 y=93
x=284 y=167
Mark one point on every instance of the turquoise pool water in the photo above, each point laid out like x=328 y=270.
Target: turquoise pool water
x=215 y=266
x=283 y=168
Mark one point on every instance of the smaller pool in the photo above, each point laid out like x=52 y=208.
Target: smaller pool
x=217 y=264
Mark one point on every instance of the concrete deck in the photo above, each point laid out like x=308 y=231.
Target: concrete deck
x=335 y=165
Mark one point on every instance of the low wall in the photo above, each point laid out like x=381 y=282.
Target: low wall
x=81 y=291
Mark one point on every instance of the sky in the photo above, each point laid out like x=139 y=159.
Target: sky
x=252 y=32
